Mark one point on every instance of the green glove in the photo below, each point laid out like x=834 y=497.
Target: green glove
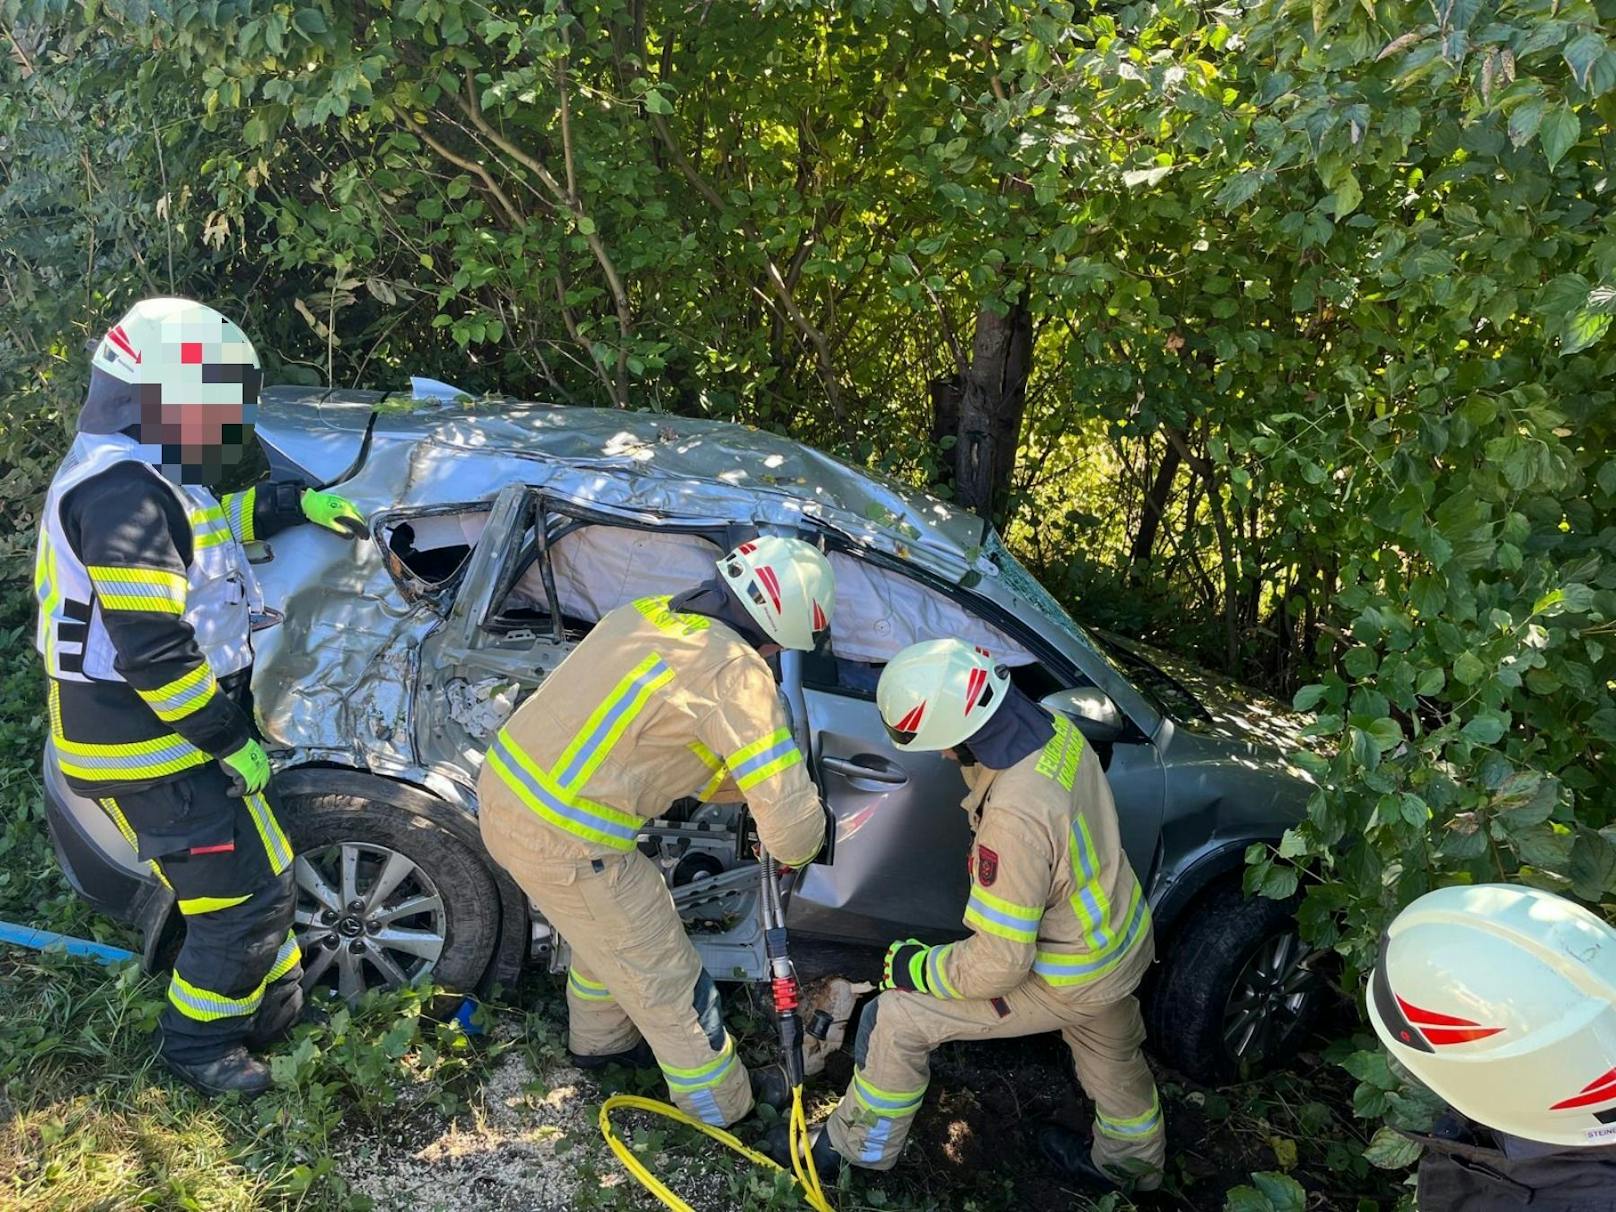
x=334 y=513
x=248 y=768
x=905 y=966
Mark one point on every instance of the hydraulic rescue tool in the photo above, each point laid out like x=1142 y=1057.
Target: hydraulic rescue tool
x=788 y=1024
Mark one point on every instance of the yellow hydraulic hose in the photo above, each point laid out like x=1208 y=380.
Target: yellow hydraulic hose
x=802 y=1160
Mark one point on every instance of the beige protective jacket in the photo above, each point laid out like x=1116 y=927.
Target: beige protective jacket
x=1052 y=892
x=650 y=707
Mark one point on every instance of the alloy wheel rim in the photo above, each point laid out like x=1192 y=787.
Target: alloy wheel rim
x=1269 y=998
x=367 y=917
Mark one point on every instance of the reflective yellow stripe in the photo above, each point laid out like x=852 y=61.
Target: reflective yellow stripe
x=1005 y=919
x=197 y=905
x=746 y=752
x=206 y=1006
x=763 y=759
x=276 y=846
x=784 y=762
x=185 y=695
x=1147 y=1123
x=1090 y=903
x=110 y=807
x=588 y=990
x=288 y=957
x=571 y=813
x=209 y=527
x=674 y=623
x=714 y=763
x=49 y=593
x=147 y=589
x=1065 y=968
x=127 y=762
x=606 y=724
x=238 y=512
x=888 y=1104
x=937 y=972
x=702 y=1077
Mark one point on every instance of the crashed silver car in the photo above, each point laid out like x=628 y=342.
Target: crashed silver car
x=503 y=531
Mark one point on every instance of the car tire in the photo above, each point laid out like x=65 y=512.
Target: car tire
x=1230 y=940
x=321 y=822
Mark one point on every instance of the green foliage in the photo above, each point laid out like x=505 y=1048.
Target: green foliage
x=1270 y=1193
x=88 y=1125
x=1322 y=299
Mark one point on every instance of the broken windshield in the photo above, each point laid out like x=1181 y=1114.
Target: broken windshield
x=1022 y=584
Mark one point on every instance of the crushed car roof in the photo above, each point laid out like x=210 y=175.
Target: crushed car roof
x=427 y=453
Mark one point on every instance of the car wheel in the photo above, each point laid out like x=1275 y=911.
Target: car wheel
x=386 y=895
x=1237 y=990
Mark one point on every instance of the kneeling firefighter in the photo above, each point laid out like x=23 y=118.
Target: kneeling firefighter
x=145 y=601
x=665 y=698
x=1502 y=1001
x=1060 y=931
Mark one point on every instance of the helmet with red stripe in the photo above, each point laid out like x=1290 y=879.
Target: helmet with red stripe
x=192 y=353
x=786 y=585
x=935 y=694
x=1502 y=1000
x=185 y=379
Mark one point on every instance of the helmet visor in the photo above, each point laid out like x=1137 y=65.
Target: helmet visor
x=900 y=737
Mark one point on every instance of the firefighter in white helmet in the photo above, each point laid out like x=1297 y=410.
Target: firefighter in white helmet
x=1060 y=931
x=145 y=601
x=1502 y=1001
x=665 y=698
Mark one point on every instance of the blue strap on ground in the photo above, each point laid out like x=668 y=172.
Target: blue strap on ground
x=27 y=936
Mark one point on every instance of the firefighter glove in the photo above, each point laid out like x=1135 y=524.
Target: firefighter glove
x=248 y=768
x=905 y=966
x=334 y=513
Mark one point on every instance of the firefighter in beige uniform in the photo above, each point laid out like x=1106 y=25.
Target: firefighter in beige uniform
x=664 y=698
x=1060 y=932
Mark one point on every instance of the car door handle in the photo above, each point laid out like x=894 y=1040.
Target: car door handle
x=870 y=767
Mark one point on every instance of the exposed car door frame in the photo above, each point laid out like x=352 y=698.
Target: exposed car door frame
x=500 y=559
x=1145 y=722
x=1140 y=713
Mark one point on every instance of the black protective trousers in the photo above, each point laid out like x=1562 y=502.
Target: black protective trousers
x=237 y=978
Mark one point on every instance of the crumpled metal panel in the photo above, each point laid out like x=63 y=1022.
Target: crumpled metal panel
x=426 y=453
x=336 y=674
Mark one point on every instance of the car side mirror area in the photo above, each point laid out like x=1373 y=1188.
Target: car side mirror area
x=1094 y=712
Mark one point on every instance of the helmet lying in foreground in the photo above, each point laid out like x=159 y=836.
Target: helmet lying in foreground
x=501 y=532
x=1502 y=1000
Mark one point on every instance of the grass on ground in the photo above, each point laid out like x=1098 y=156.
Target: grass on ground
x=385 y=1108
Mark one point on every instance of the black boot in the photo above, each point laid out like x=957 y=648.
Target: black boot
x=772 y=1088
x=233 y=1073
x=275 y=1023
x=639 y=1056
x=1070 y=1155
x=828 y=1163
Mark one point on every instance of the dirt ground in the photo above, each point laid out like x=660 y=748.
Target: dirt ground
x=528 y=1140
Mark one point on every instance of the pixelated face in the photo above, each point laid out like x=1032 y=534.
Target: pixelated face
x=201 y=407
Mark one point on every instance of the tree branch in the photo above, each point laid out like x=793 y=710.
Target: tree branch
x=470 y=104
x=811 y=334
x=1203 y=467
x=471 y=166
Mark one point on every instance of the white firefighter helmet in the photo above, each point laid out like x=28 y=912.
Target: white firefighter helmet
x=937 y=693
x=786 y=585
x=1502 y=1000
x=192 y=353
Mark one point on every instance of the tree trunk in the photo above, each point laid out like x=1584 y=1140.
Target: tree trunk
x=1144 y=542
x=991 y=404
x=945 y=418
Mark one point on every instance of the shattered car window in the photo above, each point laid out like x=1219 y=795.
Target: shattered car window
x=1024 y=585
x=1014 y=577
